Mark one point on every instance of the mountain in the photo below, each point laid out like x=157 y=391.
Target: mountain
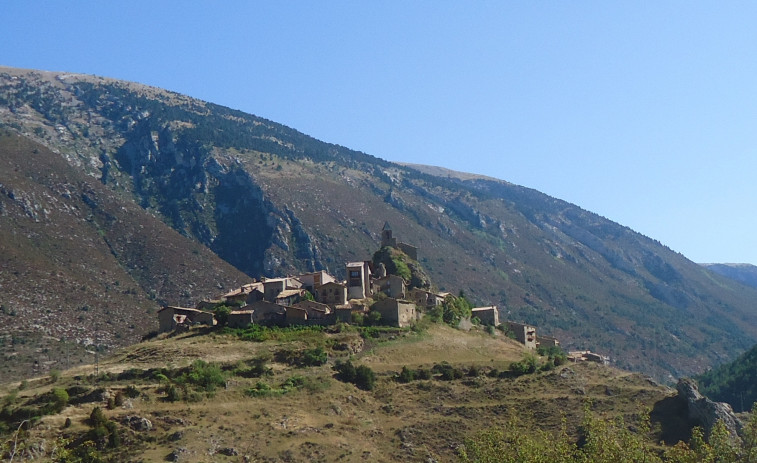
x=269 y=201
x=734 y=382
x=743 y=273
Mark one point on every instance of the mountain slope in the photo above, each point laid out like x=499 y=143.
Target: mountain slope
x=743 y=273
x=270 y=200
x=82 y=268
x=733 y=382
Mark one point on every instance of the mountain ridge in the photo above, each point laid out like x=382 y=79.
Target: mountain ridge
x=271 y=201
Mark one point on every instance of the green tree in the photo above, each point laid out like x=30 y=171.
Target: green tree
x=221 y=314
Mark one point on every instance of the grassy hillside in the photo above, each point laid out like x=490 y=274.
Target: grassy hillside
x=266 y=407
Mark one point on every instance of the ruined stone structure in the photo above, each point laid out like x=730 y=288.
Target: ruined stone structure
x=387 y=240
x=170 y=317
x=525 y=334
x=487 y=315
x=395 y=312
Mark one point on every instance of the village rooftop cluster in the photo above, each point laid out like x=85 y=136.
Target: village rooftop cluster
x=318 y=298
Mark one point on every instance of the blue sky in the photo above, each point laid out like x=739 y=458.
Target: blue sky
x=643 y=112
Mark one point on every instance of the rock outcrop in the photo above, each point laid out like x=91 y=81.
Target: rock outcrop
x=704 y=412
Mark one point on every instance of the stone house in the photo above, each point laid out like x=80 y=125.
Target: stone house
x=315 y=310
x=358 y=280
x=393 y=286
x=170 y=317
x=525 y=334
x=240 y=318
x=267 y=313
x=487 y=315
x=290 y=296
x=547 y=341
x=296 y=315
x=332 y=293
x=273 y=286
x=244 y=295
x=428 y=299
x=343 y=313
x=395 y=312
x=313 y=281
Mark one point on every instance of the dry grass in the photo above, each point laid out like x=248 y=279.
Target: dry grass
x=338 y=422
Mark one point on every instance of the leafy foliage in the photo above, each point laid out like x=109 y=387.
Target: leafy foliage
x=605 y=441
x=221 y=313
x=456 y=308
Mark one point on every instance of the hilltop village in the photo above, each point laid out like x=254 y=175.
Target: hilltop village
x=318 y=298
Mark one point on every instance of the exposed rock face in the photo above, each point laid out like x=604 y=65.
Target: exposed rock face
x=704 y=412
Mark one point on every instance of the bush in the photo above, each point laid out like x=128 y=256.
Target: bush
x=206 y=376
x=447 y=372
x=422 y=373
x=358 y=318
x=131 y=392
x=373 y=318
x=221 y=314
x=57 y=402
x=345 y=371
x=529 y=364
x=365 y=378
x=406 y=375
x=97 y=417
x=362 y=376
x=314 y=357
x=172 y=393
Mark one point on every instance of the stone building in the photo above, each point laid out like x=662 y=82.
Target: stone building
x=332 y=293
x=525 y=334
x=395 y=312
x=358 y=280
x=170 y=317
x=388 y=240
x=487 y=315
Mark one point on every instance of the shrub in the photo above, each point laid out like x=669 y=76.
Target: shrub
x=57 y=401
x=131 y=392
x=345 y=371
x=206 y=376
x=529 y=364
x=365 y=378
x=362 y=376
x=172 y=393
x=358 y=318
x=373 y=318
x=314 y=357
x=97 y=417
x=406 y=375
x=422 y=373
x=447 y=372
x=221 y=314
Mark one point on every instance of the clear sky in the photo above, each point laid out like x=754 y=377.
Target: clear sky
x=643 y=112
